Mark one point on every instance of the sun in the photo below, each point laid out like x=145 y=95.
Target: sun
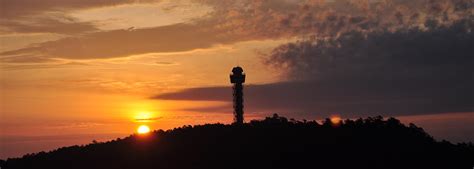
x=143 y=129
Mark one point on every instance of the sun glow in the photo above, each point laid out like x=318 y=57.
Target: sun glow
x=336 y=120
x=143 y=129
x=144 y=116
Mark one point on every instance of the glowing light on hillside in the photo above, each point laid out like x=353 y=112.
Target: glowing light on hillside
x=336 y=120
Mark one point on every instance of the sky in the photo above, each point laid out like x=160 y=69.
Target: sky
x=73 y=71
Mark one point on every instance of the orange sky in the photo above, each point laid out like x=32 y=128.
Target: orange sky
x=72 y=71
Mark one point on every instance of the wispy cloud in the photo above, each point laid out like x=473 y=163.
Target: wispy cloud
x=122 y=43
x=51 y=16
x=146 y=120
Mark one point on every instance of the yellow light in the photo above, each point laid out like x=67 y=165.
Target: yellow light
x=336 y=120
x=143 y=129
x=143 y=116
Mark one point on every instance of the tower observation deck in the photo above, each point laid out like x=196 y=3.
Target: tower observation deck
x=237 y=78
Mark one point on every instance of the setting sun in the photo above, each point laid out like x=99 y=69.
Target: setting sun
x=143 y=129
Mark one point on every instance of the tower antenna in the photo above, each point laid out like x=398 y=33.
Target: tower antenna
x=237 y=60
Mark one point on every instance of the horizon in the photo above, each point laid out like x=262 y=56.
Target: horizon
x=75 y=71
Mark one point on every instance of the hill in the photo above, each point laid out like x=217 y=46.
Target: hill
x=274 y=142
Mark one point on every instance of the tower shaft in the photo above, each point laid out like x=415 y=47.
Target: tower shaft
x=238 y=103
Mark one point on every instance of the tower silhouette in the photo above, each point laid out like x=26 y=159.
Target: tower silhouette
x=238 y=78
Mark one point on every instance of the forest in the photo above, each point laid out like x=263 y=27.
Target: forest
x=274 y=142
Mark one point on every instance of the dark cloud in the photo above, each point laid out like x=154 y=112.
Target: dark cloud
x=356 y=74
x=350 y=99
x=443 y=52
x=283 y=18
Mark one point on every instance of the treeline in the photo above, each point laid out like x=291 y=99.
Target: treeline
x=274 y=142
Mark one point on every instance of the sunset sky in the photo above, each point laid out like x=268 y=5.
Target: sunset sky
x=76 y=70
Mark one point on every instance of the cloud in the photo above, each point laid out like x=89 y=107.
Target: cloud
x=146 y=120
x=442 y=53
x=233 y=21
x=18 y=8
x=403 y=72
x=47 y=24
x=51 y=64
x=25 y=59
x=50 y=16
x=162 y=63
x=323 y=98
x=283 y=18
x=122 y=43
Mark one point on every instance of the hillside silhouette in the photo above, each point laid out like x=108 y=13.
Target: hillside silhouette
x=274 y=142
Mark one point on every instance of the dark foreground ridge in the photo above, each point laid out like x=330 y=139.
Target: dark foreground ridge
x=271 y=143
